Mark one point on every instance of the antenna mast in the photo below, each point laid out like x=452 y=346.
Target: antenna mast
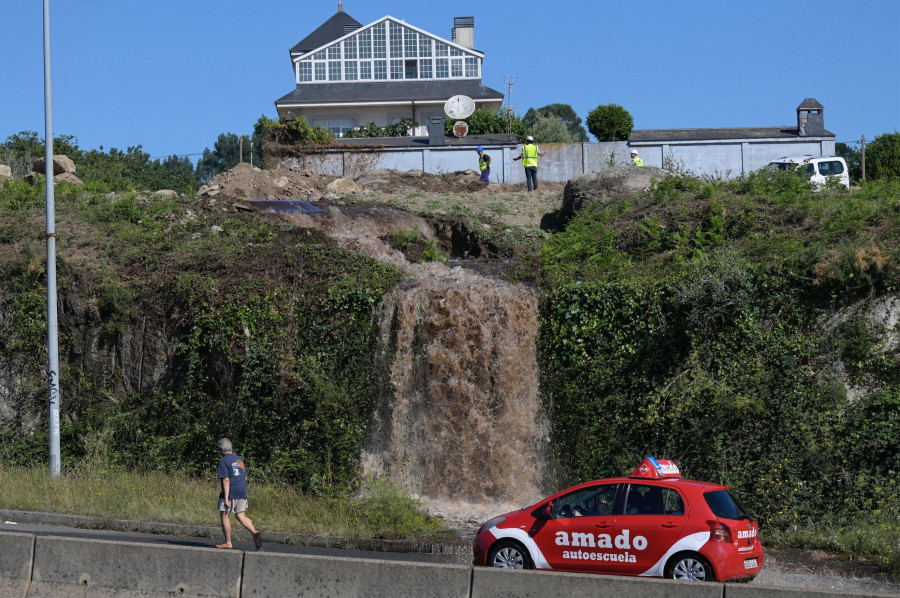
x=510 y=83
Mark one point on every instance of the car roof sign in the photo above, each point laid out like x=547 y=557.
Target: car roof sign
x=653 y=469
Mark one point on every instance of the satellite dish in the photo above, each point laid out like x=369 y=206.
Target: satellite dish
x=460 y=128
x=459 y=107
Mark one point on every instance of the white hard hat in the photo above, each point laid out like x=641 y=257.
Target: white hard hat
x=634 y=151
x=529 y=138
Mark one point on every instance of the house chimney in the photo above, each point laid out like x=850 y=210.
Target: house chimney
x=464 y=31
x=340 y=6
x=810 y=118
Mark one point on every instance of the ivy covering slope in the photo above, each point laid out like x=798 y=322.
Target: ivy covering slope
x=264 y=333
x=721 y=325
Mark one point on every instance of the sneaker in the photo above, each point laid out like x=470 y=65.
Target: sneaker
x=257 y=540
x=223 y=545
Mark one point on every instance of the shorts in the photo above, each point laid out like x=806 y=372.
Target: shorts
x=238 y=505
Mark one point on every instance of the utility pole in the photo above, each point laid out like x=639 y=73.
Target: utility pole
x=863 y=158
x=52 y=332
x=241 y=149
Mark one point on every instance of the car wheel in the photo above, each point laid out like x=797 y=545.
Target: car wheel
x=689 y=567
x=509 y=555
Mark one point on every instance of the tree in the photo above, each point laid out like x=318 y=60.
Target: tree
x=226 y=154
x=20 y=150
x=562 y=111
x=484 y=122
x=851 y=156
x=550 y=129
x=883 y=157
x=610 y=122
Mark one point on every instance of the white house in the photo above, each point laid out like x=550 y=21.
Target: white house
x=348 y=75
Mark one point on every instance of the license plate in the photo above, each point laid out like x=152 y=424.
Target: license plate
x=749 y=563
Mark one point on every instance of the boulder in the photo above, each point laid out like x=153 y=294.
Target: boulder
x=619 y=180
x=61 y=164
x=165 y=194
x=5 y=173
x=342 y=186
x=69 y=178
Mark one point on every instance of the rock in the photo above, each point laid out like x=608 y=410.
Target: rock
x=61 y=164
x=69 y=178
x=165 y=194
x=620 y=180
x=281 y=182
x=342 y=186
x=5 y=173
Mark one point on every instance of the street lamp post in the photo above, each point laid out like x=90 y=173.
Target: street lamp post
x=52 y=334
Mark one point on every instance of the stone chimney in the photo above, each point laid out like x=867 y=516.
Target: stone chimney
x=810 y=118
x=464 y=31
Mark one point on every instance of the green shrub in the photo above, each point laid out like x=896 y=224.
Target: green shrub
x=610 y=122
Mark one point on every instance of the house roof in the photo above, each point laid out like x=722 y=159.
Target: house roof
x=327 y=32
x=387 y=91
x=810 y=104
x=650 y=135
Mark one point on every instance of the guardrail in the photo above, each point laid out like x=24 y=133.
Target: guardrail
x=38 y=566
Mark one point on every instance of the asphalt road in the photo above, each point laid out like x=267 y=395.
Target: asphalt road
x=116 y=536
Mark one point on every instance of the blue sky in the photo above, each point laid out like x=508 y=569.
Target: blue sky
x=170 y=75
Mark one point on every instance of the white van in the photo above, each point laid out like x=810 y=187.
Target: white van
x=818 y=168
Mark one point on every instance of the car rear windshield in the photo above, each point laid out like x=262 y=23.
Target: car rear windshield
x=726 y=505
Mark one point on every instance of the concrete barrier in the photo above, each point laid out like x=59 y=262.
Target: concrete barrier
x=752 y=591
x=500 y=583
x=267 y=574
x=97 y=568
x=35 y=567
x=16 y=555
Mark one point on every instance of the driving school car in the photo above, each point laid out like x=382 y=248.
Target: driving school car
x=652 y=523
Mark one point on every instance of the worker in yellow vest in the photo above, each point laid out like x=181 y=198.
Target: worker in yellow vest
x=484 y=164
x=529 y=157
x=636 y=159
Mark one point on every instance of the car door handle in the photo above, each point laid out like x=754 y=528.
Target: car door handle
x=668 y=524
x=603 y=525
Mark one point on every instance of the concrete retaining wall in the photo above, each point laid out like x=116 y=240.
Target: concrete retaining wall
x=66 y=567
x=565 y=161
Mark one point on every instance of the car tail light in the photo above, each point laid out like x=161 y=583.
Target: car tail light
x=719 y=532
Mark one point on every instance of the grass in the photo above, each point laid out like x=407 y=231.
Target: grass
x=875 y=535
x=379 y=511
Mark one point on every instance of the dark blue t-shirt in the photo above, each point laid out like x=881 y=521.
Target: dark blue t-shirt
x=231 y=466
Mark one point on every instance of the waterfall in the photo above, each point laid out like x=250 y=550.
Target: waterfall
x=459 y=418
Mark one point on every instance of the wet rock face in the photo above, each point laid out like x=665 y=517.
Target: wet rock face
x=622 y=180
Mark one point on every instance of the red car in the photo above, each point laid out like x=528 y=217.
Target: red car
x=652 y=523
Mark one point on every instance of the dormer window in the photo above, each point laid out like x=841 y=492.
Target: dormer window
x=410 y=53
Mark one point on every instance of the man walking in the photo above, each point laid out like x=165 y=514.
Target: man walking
x=529 y=157
x=233 y=498
x=484 y=164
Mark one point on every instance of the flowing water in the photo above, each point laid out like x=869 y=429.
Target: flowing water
x=459 y=420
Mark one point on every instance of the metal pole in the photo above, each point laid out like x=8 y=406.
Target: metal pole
x=52 y=334
x=863 y=158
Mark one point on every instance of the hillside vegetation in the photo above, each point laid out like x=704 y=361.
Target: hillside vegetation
x=744 y=329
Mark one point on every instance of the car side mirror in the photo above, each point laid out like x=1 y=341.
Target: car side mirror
x=545 y=511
